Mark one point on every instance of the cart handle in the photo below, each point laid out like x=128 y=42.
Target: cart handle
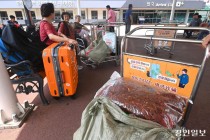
x=129 y=35
x=167 y=28
x=122 y=23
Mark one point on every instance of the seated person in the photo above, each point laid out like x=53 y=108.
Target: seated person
x=48 y=33
x=203 y=33
x=12 y=20
x=194 y=23
x=65 y=27
x=81 y=29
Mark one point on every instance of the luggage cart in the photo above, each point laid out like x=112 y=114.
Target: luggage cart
x=153 y=46
x=111 y=42
x=144 y=63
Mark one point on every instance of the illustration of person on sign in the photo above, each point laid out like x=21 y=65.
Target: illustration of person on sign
x=184 y=78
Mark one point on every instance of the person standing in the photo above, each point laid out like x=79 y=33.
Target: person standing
x=128 y=18
x=82 y=31
x=111 y=17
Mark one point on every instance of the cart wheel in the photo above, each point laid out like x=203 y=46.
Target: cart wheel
x=56 y=98
x=93 y=66
x=117 y=63
x=150 y=53
x=155 y=50
x=170 y=55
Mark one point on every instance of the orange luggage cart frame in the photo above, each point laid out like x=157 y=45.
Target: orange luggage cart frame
x=137 y=67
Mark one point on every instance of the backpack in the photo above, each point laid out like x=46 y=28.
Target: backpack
x=13 y=57
x=33 y=32
x=65 y=26
x=17 y=46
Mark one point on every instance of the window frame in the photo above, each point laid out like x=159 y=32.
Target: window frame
x=94 y=16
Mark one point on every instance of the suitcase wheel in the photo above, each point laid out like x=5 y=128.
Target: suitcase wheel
x=74 y=96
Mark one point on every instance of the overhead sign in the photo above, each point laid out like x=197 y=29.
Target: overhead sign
x=57 y=4
x=166 y=4
x=161 y=4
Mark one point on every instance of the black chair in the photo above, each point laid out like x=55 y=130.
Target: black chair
x=27 y=83
x=25 y=70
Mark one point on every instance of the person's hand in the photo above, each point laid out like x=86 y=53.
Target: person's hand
x=206 y=41
x=72 y=41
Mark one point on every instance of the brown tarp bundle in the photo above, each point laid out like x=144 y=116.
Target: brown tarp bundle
x=103 y=120
x=146 y=101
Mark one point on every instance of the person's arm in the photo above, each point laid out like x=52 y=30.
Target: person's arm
x=78 y=25
x=190 y=24
x=1 y=26
x=61 y=29
x=57 y=38
x=85 y=28
x=109 y=16
x=131 y=18
x=61 y=39
x=206 y=41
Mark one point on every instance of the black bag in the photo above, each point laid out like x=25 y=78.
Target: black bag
x=33 y=33
x=17 y=40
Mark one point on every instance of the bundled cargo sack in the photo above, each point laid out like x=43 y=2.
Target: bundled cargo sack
x=145 y=101
x=86 y=52
x=100 y=52
x=97 y=51
x=104 y=120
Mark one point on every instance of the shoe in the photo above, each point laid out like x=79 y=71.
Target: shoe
x=79 y=67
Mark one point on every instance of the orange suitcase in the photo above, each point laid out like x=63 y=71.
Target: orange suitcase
x=60 y=65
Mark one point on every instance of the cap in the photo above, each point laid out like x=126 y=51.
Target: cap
x=108 y=6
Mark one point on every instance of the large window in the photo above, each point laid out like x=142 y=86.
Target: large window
x=4 y=15
x=156 y=16
x=57 y=15
x=83 y=14
x=33 y=15
x=71 y=14
x=19 y=15
x=104 y=14
x=94 y=14
x=180 y=15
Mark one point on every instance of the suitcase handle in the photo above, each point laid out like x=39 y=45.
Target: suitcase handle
x=71 y=46
x=62 y=76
